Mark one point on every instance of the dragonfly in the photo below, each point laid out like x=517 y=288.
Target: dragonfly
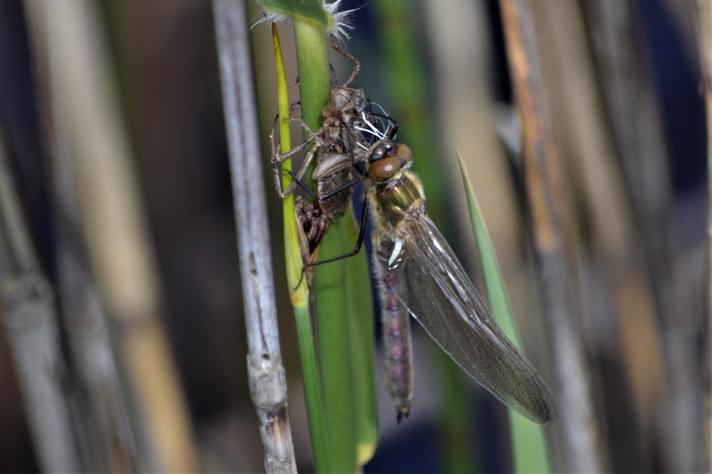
x=419 y=275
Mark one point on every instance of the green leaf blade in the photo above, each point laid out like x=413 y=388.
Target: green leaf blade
x=528 y=441
x=362 y=346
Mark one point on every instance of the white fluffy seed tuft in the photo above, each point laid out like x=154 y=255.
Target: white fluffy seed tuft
x=339 y=30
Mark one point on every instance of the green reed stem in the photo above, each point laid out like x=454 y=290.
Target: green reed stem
x=329 y=280
x=334 y=351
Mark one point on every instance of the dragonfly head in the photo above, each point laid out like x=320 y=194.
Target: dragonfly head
x=386 y=159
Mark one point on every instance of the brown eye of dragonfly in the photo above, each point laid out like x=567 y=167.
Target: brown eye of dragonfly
x=387 y=160
x=384 y=169
x=403 y=153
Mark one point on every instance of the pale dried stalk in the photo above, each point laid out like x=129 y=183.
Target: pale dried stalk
x=89 y=132
x=107 y=439
x=704 y=14
x=27 y=308
x=576 y=431
x=268 y=385
x=107 y=433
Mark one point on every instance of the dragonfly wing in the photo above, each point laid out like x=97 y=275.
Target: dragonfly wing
x=440 y=296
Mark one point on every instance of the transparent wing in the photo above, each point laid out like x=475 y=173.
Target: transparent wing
x=440 y=296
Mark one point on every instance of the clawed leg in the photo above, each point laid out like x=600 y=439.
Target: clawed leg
x=357 y=64
x=357 y=247
x=311 y=137
x=297 y=177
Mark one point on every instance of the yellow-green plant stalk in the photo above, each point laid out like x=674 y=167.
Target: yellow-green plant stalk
x=298 y=288
x=350 y=424
x=528 y=443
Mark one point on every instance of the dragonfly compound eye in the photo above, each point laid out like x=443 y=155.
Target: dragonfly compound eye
x=403 y=153
x=384 y=169
x=387 y=159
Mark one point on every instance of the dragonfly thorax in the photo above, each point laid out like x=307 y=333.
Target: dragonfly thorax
x=399 y=197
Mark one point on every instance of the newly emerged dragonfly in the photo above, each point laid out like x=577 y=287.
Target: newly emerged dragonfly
x=419 y=275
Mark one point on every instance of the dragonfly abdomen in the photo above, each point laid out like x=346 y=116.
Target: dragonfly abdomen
x=397 y=346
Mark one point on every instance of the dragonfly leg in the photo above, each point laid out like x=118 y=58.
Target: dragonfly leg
x=336 y=191
x=352 y=58
x=356 y=250
x=280 y=157
x=297 y=177
x=357 y=247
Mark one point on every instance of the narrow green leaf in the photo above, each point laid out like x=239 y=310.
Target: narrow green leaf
x=305 y=10
x=312 y=390
x=528 y=443
x=297 y=286
x=362 y=345
x=299 y=291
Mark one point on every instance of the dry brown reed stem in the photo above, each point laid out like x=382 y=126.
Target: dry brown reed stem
x=28 y=313
x=576 y=433
x=620 y=323
x=267 y=379
x=704 y=16
x=88 y=130
x=626 y=79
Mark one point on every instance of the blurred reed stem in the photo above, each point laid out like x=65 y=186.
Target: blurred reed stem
x=704 y=39
x=576 y=433
x=27 y=309
x=626 y=76
x=101 y=399
x=268 y=384
x=103 y=409
x=298 y=286
x=407 y=80
x=89 y=131
x=619 y=326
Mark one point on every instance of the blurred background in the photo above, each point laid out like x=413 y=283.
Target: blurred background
x=112 y=138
